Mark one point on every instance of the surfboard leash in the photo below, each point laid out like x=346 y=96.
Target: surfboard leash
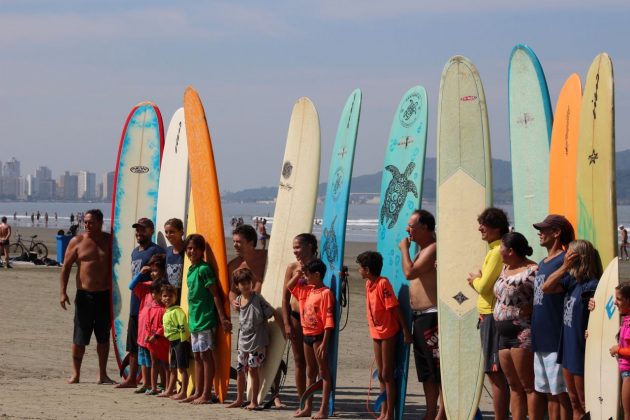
x=367 y=400
x=345 y=296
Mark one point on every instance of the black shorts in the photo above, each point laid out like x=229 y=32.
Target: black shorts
x=180 y=354
x=92 y=312
x=489 y=343
x=425 y=347
x=132 y=334
x=309 y=340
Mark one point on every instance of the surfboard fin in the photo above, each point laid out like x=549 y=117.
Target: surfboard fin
x=379 y=401
x=310 y=391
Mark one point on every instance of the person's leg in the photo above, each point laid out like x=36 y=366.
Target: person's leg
x=241 y=384
x=297 y=347
x=255 y=376
x=102 y=350
x=324 y=374
x=378 y=357
x=499 y=394
x=207 y=361
x=523 y=360
x=579 y=389
x=518 y=401
x=425 y=329
x=132 y=350
x=311 y=377
x=199 y=378
x=625 y=397
x=170 y=387
x=388 y=349
x=573 y=397
x=155 y=370
x=77 y=358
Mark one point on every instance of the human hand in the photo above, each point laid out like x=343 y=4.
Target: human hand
x=408 y=339
x=288 y=331
x=405 y=243
x=322 y=351
x=63 y=299
x=591 y=304
x=151 y=339
x=614 y=350
x=236 y=305
x=570 y=258
x=145 y=270
x=227 y=325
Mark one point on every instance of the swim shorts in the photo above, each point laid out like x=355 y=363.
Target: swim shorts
x=425 y=346
x=514 y=335
x=252 y=359
x=144 y=357
x=4 y=242
x=180 y=354
x=92 y=312
x=203 y=340
x=489 y=343
x=309 y=340
x=548 y=373
x=132 y=334
x=625 y=374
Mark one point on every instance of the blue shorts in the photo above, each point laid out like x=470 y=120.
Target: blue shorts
x=144 y=357
x=625 y=374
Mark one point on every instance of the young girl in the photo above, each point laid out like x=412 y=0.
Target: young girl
x=157 y=343
x=177 y=332
x=385 y=320
x=305 y=250
x=174 y=232
x=317 y=304
x=622 y=350
x=205 y=302
x=253 y=338
x=577 y=277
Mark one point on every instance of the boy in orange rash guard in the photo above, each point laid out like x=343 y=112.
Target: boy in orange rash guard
x=317 y=304
x=385 y=320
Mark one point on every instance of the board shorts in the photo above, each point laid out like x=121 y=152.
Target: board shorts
x=489 y=343
x=252 y=359
x=144 y=357
x=92 y=312
x=179 y=354
x=132 y=334
x=4 y=242
x=425 y=346
x=548 y=377
x=203 y=340
x=514 y=335
x=625 y=374
x=310 y=340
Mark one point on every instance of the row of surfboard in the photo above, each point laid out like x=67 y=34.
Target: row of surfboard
x=177 y=178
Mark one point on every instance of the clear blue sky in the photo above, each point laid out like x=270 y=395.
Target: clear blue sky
x=71 y=70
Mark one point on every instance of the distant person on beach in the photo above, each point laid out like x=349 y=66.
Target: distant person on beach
x=555 y=234
x=32 y=218
x=205 y=313
x=38 y=215
x=14 y=215
x=91 y=251
x=422 y=276
x=623 y=246
x=46 y=218
x=577 y=277
x=239 y=221
x=55 y=216
x=493 y=224
x=71 y=218
x=385 y=320
x=5 y=237
x=305 y=251
x=262 y=233
x=174 y=232
x=140 y=257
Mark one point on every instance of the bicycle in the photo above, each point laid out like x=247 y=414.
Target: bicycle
x=18 y=248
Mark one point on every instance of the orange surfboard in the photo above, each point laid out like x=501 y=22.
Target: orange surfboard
x=209 y=220
x=563 y=151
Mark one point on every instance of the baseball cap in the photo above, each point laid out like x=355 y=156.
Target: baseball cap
x=144 y=222
x=553 y=221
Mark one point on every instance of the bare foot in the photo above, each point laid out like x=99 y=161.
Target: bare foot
x=178 y=397
x=165 y=394
x=320 y=415
x=192 y=398
x=127 y=384
x=303 y=413
x=73 y=380
x=251 y=406
x=202 y=400
x=277 y=403
x=106 y=380
x=235 y=404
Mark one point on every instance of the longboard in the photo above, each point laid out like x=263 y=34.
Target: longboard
x=204 y=185
x=294 y=212
x=464 y=190
x=335 y=215
x=191 y=227
x=563 y=151
x=601 y=372
x=530 y=132
x=134 y=196
x=596 y=192
x=401 y=194
x=174 y=180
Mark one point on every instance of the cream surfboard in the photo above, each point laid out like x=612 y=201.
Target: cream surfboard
x=294 y=212
x=601 y=372
x=596 y=192
x=464 y=189
x=191 y=227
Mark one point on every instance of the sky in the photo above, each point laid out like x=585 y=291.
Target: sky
x=70 y=71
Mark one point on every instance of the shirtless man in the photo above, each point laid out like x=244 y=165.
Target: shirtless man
x=247 y=256
x=91 y=251
x=5 y=235
x=422 y=277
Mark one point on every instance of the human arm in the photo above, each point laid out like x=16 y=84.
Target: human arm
x=553 y=284
x=403 y=325
x=322 y=350
x=425 y=262
x=138 y=278
x=483 y=280
x=218 y=303
x=289 y=275
x=69 y=259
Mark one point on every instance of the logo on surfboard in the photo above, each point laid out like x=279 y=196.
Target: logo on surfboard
x=409 y=110
x=139 y=169
x=396 y=193
x=610 y=307
x=287 y=169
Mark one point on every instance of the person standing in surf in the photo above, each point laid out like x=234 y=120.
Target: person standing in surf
x=5 y=236
x=555 y=234
x=305 y=251
x=174 y=232
x=92 y=252
x=422 y=275
x=623 y=245
x=493 y=224
x=140 y=257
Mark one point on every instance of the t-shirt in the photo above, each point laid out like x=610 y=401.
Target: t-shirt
x=202 y=314
x=252 y=317
x=484 y=285
x=159 y=346
x=624 y=342
x=548 y=307
x=142 y=291
x=575 y=321
x=174 y=267
x=175 y=324
x=316 y=308
x=381 y=304
x=514 y=293
x=140 y=258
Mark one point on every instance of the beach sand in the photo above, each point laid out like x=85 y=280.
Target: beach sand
x=35 y=358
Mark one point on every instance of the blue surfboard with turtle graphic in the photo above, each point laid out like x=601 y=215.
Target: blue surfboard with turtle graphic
x=335 y=214
x=401 y=194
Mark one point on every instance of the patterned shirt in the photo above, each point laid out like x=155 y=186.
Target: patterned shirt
x=514 y=293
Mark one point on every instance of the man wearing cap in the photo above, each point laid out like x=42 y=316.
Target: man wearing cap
x=624 y=242
x=555 y=233
x=139 y=258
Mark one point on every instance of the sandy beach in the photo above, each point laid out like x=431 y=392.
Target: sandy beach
x=35 y=354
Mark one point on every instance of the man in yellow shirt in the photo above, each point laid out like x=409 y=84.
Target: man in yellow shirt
x=493 y=224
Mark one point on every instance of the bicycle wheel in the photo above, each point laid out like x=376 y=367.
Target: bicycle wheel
x=16 y=250
x=40 y=249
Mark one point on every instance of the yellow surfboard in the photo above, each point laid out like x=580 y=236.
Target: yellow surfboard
x=563 y=151
x=596 y=193
x=191 y=227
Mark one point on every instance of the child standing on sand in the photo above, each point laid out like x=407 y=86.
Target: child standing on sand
x=157 y=343
x=253 y=337
x=385 y=320
x=622 y=350
x=177 y=332
x=204 y=304
x=174 y=232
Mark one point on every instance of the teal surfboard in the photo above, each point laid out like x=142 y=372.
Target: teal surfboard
x=530 y=134
x=335 y=215
x=401 y=193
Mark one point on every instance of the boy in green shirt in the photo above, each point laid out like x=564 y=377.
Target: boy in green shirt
x=177 y=332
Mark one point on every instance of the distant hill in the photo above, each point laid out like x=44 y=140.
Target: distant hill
x=502 y=177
